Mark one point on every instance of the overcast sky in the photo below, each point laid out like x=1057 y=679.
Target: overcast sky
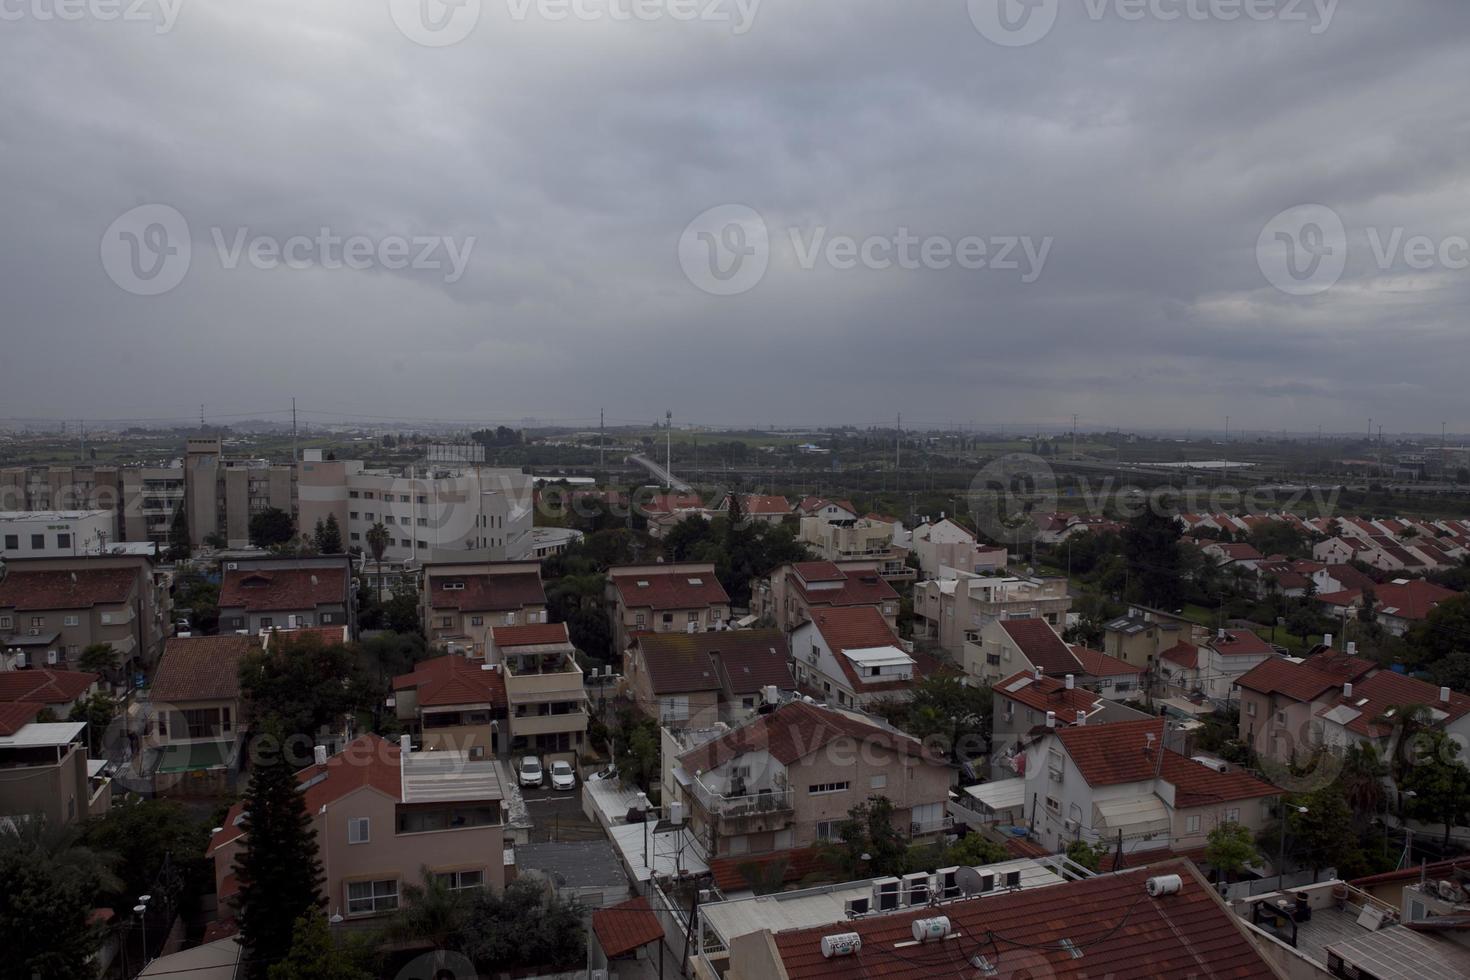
x=1143 y=158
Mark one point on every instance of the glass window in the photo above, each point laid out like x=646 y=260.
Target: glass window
x=359 y=830
x=366 y=897
x=457 y=880
x=63 y=541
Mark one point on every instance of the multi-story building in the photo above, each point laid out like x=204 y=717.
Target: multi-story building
x=858 y=539
x=852 y=657
x=693 y=680
x=287 y=593
x=946 y=544
x=1212 y=667
x=1028 y=703
x=382 y=815
x=195 y=715
x=221 y=494
x=463 y=600
x=948 y=610
x=55 y=533
x=1142 y=634
x=45 y=769
x=435 y=513
x=665 y=598
x=62 y=486
x=452 y=702
x=545 y=694
x=151 y=497
x=1004 y=646
x=788 y=779
x=51 y=609
x=790 y=594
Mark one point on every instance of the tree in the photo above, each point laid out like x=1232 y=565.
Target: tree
x=945 y=706
x=278 y=870
x=974 y=850
x=98 y=658
x=868 y=830
x=1440 y=784
x=1452 y=671
x=1324 y=835
x=314 y=957
x=1361 y=780
x=377 y=539
x=1090 y=856
x=525 y=925
x=178 y=536
x=328 y=536
x=636 y=748
x=1230 y=848
x=271 y=528
x=48 y=887
x=146 y=835
x=97 y=711
x=1445 y=631
x=1151 y=549
x=300 y=682
x=199 y=598
x=432 y=914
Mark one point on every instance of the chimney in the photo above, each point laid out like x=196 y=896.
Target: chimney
x=1051 y=719
x=1347 y=690
x=1327 y=641
x=405 y=744
x=1070 y=682
x=1444 y=695
x=1220 y=634
x=320 y=754
x=1081 y=717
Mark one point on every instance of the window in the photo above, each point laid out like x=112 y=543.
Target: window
x=5 y=623
x=668 y=619
x=694 y=617
x=266 y=622
x=878 y=782
x=70 y=621
x=389 y=519
x=353 y=494
x=423 y=499
x=510 y=619
x=1053 y=805
x=817 y=789
x=367 y=495
x=423 y=543
x=828 y=829
x=359 y=830
x=354 y=535
x=38 y=542
x=352 y=514
x=423 y=522
x=460 y=880
x=1250 y=708
x=367 y=897
x=1232 y=815
x=326 y=619
x=747 y=703
x=12 y=542
x=368 y=515
x=714 y=615
x=673 y=708
x=638 y=620
x=405 y=543
x=1191 y=825
x=63 y=541
x=445 y=622
x=106 y=619
x=403 y=498
x=37 y=622
x=477 y=620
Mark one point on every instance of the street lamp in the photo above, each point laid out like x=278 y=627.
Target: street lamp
x=141 y=911
x=1281 y=860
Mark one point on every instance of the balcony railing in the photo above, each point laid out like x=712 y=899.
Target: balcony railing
x=751 y=804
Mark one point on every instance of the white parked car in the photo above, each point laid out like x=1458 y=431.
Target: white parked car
x=530 y=770
x=563 y=776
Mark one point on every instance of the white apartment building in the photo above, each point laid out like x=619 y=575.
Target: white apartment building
x=437 y=513
x=956 y=606
x=55 y=533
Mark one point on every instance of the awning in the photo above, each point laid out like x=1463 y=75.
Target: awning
x=1003 y=794
x=1141 y=815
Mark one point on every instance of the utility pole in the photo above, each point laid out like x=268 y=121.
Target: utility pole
x=201 y=417
x=1074 y=436
x=1227 y=449
x=295 y=457
x=669 y=448
x=601 y=441
x=897 y=450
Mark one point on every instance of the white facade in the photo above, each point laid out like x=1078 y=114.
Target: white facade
x=55 y=534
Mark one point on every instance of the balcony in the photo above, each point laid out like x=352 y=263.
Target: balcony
x=552 y=724
x=763 y=802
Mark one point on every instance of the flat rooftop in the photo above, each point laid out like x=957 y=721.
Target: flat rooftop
x=449 y=777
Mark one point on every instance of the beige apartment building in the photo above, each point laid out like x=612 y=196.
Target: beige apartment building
x=948 y=610
x=788 y=779
x=545 y=694
x=62 y=486
x=51 y=609
x=380 y=814
x=433 y=513
x=665 y=598
x=1142 y=634
x=857 y=539
x=462 y=600
x=789 y=596
x=695 y=680
x=45 y=769
x=454 y=703
x=262 y=594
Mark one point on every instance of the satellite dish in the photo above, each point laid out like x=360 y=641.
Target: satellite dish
x=969 y=881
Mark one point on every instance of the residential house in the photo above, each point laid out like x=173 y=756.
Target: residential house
x=828 y=510
x=666 y=510
x=51 y=609
x=758 y=508
x=1114 y=679
x=545 y=695
x=788 y=596
x=1142 y=634
x=694 y=680
x=454 y=703
x=1212 y=667
x=947 y=544
x=45 y=768
x=1233 y=554
x=665 y=598
x=195 y=715
x=380 y=814
x=462 y=600
x=1029 y=704
x=1404 y=602
x=950 y=610
x=1334 y=551
x=1003 y=647
x=287 y=593
x=57 y=691
x=1119 y=784
x=851 y=657
x=788 y=779
x=1365 y=711
x=1279 y=699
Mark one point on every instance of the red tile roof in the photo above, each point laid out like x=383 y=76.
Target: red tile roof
x=200 y=668
x=622 y=928
x=854 y=628
x=45 y=686
x=819 y=571
x=670 y=503
x=16 y=715
x=1296 y=681
x=1095 y=663
x=800 y=863
x=1107 y=755
x=1040 y=644
x=1237 y=551
x=1047 y=694
x=737 y=661
x=1433 y=871
x=1411 y=600
x=761 y=505
x=451 y=680
x=1373 y=697
x=530 y=635
x=283 y=589
x=670 y=587
x=82 y=588
x=1239 y=643
x=793 y=732
x=504 y=592
x=1340 y=665
x=860 y=587
x=1103 y=926
x=1182 y=653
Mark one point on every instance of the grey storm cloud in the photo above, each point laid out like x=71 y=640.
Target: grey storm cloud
x=565 y=156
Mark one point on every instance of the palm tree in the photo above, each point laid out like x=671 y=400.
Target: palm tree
x=1361 y=779
x=377 y=542
x=432 y=914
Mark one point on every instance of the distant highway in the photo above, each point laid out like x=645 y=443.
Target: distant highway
x=663 y=476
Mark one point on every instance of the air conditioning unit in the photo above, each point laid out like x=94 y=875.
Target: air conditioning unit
x=947 y=883
x=856 y=906
x=1070 y=825
x=886 y=894
x=35 y=631
x=1013 y=879
x=916 y=889
x=51 y=657
x=232 y=566
x=987 y=883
